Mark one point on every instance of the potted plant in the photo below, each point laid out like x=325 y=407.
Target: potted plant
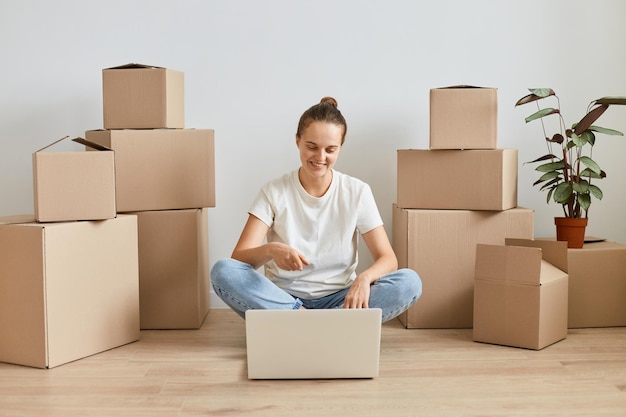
x=568 y=171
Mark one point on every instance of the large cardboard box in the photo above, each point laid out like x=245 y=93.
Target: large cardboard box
x=69 y=290
x=161 y=169
x=452 y=179
x=597 y=285
x=440 y=245
x=463 y=117
x=137 y=96
x=520 y=293
x=74 y=185
x=173 y=268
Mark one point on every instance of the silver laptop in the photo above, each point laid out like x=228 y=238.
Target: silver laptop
x=313 y=344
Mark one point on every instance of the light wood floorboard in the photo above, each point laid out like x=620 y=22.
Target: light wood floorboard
x=188 y=373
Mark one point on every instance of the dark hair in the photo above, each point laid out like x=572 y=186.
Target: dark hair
x=325 y=111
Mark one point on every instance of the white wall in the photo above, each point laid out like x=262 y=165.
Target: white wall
x=252 y=67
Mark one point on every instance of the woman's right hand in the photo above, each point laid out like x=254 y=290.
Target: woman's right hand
x=287 y=258
x=250 y=248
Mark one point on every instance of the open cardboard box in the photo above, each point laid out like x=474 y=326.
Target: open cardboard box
x=521 y=293
x=74 y=185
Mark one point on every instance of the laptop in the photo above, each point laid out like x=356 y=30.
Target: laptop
x=313 y=344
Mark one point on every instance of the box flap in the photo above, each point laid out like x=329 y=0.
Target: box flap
x=90 y=144
x=133 y=66
x=554 y=252
x=510 y=264
x=51 y=144
x=550 y=273
x=460 y=86
x=82 y=141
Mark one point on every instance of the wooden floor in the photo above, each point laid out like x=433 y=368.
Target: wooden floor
x=422 y=373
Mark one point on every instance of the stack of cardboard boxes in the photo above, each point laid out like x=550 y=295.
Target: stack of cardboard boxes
x=165 y=175
x=458 y=194
x=68 y=275
x=118 y=241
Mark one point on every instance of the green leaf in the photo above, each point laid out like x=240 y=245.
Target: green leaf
x=547 y=176
x=580 y=187
x=597 y=192
x=541 y=113
x=585 y=201
x=563 y=192
x=549 y=167
x=549 y=184
x=549 y=195
x=537 y=94
x=589 y=137
x=591 y=164
x=579 y=141
x=606 y=131
x=587 y=173
x=542 y=92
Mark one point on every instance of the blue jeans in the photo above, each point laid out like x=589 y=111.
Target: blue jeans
x=242 y=288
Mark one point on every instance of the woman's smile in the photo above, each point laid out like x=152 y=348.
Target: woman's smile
x=317 y=164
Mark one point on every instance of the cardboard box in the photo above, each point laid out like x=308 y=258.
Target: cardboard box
x=69 y=290
x=137 y=96
x=440 y=245
x=173 y=268
x=161 y=169
x=463 y=117
x=74 y=185
x=597 y=285
x=520 y=294
x=452 y=179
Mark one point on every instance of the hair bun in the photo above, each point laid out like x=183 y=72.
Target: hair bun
x=329 y=100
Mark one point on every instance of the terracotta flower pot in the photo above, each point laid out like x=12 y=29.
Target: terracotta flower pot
x=571 y=231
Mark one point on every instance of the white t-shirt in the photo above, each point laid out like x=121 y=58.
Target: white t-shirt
x=325 y=230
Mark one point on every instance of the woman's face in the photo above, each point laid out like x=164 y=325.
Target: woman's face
x=319 y=145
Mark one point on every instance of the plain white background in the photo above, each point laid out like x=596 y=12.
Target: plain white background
x=252 y=67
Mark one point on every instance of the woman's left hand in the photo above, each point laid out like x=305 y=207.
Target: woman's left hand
x=359 y=294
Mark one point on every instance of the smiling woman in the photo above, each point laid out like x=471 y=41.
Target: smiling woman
x=311 y=219
x=320 y=136
x=319 y=147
